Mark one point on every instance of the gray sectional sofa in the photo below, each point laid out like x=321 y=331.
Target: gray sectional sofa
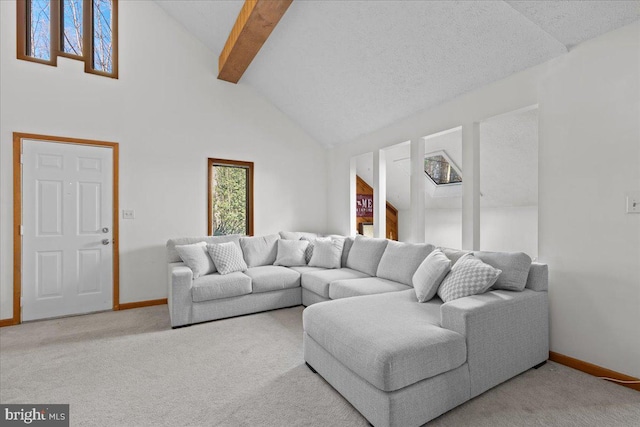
x=399 y=362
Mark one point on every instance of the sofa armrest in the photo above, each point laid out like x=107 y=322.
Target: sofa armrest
x=179 y=295
x=506 y=332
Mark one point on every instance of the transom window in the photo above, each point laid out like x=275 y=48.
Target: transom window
x=86 y=30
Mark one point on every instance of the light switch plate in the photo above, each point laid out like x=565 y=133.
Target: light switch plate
x=633 y=202
x=128 y=214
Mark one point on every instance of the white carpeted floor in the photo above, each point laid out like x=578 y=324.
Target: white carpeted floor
x=129 y=368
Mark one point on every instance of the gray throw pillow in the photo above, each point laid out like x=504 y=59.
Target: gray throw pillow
x=260 y=250
x=400 y=260
x=291 y=253
x=365 y=254
x=514 y=265
x=195 y=256
x=227 y=257
x=430 y=274
x=469 y=276
x=327 y=253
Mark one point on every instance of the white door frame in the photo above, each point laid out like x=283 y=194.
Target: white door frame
x=17 y=214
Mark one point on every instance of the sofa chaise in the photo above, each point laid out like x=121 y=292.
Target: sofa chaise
x=399 y=362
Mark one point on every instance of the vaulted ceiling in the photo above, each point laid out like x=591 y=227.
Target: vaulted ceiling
x=342 y=69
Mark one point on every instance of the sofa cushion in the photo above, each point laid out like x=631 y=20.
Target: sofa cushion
x=454 y=254
x=514 y=265
x=318 y=281
x=196 y=257
x=470 y=276
x=306 y=269
x=348 y=243
x=365 y=286
x=327 y=252
x=291 y=253
x=173 y=256
x=297 y=235
x=430 y=274
x=227 y=257
x=401 y=260
x=269 y=278
x=217 y=286
x=365 y=254
x=260 y=250
x=390 y=340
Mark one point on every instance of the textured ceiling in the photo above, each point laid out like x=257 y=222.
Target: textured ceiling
x=342 y=69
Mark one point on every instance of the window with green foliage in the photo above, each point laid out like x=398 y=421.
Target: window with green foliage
x=85 y=30
x=230 y=200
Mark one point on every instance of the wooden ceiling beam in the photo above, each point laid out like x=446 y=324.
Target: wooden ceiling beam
x=254 y=24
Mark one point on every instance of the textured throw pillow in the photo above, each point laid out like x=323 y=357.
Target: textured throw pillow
x=515 y=268
x=400 y=260
x=309 y=251
x=469 y=276
x=227 y=257
x=195 y=256
x=291 y=253
x=260 y=250
x=365 y=254
x=430 y=274
x=327 y=253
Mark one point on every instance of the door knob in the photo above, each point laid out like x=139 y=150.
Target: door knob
x=105 y=241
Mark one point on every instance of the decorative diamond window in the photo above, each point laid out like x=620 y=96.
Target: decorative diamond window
x=441 y=170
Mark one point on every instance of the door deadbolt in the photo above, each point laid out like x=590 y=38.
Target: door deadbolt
x=105 y=230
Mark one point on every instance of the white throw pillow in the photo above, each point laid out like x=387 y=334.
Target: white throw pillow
x=291 y=253
x=430 y=274
x=227 y=257
x=327 y=253
x=195 y=256
x=469 y=276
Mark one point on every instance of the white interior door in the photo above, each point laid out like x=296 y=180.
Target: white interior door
x=67 y=217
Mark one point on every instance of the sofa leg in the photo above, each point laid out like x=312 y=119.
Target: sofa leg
x=540 y=365
x=311 y=367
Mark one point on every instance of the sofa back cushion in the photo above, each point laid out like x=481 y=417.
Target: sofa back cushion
x=173 y=256
x=260 y=250
x=514 y=265
x=401 y=260
x=297 y=235
x=365 y=254
x=348 y=243
x=454 y=254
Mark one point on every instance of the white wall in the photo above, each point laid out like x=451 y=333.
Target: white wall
x=589 y=101
x=169 y=113
x=511 y=229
